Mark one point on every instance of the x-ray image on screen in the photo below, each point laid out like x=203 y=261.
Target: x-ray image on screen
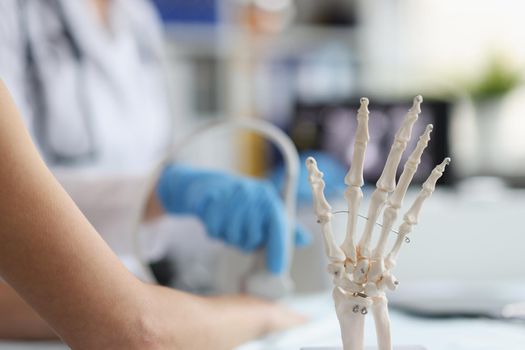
x=331 y=129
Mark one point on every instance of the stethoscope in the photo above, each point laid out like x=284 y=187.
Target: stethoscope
x=41 y=121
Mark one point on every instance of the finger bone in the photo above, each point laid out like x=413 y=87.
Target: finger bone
x=395 y=201
x=323 y=211
x=387 y=180
x=354 y=180
x=412 y=216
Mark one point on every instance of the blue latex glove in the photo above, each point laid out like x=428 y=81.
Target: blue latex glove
x=243 y=212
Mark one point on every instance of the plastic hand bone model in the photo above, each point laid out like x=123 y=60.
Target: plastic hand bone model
x=361 y=275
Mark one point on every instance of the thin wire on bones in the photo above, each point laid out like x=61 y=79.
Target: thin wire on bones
x=324 y=112
x=407 y=239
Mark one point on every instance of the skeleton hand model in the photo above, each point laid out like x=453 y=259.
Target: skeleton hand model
x=362 y=275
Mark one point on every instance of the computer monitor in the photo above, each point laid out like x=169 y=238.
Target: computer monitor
x=331 y=128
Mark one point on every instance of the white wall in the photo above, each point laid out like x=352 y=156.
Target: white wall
x=436 y=43
x=474 y=234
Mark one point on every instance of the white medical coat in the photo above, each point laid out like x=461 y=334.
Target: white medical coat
x=101 y=121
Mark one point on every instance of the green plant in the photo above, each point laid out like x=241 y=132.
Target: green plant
x=497 y=80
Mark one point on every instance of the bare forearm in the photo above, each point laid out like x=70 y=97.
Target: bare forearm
x=48 y=251
x=57 y=262
x=18 y=320
x=252 y=318
x=189 y=314
x=218 y=323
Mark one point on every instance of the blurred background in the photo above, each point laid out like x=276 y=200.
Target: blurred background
x=302 y=65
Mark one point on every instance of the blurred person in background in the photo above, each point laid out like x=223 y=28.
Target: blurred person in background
x=87 y=76
x=77 y=284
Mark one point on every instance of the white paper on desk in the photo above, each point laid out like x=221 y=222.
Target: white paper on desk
x=442 y=298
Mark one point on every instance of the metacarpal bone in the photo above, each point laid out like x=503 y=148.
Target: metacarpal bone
x=354 y=180
x=404 y=230
x=353 y=196
x=377 y=201
x=323 y=211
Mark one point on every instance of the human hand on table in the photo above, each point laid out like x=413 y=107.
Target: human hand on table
x=193 y=322
x=243 y=212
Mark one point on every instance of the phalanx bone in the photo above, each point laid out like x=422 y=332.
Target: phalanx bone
x=361 y=274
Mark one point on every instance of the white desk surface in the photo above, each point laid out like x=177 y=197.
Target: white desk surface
x=322 y=330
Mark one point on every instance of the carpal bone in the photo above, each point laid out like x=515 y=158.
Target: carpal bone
x=361 y=271
x=388 y=281
x=347 y=284
x=371 y=290
x=349 y=266
x=354 y=180
x=377 y=267
x=323 y=211
x=387 y=180
x=336 y=269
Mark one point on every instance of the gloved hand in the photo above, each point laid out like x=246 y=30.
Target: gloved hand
x=243 y=212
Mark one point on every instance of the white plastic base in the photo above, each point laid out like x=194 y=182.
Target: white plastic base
x=405 y=347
